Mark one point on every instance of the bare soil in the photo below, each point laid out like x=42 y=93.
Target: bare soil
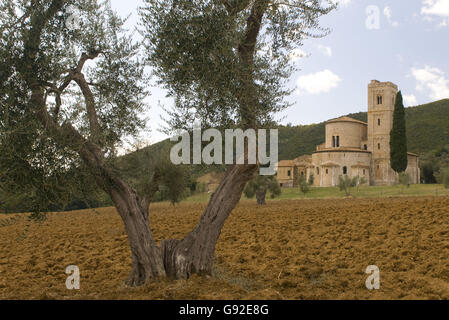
x=290 y=249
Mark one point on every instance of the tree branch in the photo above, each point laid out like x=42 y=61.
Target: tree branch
x=235 y=6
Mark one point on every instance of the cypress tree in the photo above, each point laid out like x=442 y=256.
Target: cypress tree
x=398 y=138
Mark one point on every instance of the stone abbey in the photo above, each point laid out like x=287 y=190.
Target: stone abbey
x=354 y=148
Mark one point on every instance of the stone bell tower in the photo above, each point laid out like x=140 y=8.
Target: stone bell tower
x=381 y=99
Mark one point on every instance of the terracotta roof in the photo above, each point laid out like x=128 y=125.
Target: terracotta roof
x=286 y=163
x=343 y=149
x=347 y=119
x=330 y=164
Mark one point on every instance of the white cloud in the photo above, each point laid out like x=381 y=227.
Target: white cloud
x=436 y=8
x=410 y=100
x=319 y=82
x=325 y=50
x=433 y=81
x=389 y=13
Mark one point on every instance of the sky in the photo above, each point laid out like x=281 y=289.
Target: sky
x=405 y=42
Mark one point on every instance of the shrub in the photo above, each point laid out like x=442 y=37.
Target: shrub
x=311 y=179
x=304 y=186
x=345 y=183
x=445 y=177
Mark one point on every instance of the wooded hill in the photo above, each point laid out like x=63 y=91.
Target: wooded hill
x=427 y=130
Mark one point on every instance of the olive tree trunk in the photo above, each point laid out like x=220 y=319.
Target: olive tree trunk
x=195 y=253
x=146 y=255
x=261 y=197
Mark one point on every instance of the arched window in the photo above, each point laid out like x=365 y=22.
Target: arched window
x=345 y=170
x=378 y=122
x=364 y=171
x=379 y=99
x=338 y=141
x=378 y=146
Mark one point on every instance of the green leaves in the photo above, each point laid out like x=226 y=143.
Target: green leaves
x=398 y=137
x=263 y=184
x=212 y=57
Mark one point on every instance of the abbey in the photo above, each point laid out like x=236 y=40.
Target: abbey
x=354 y=148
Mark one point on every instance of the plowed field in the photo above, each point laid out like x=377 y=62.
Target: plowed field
x=290 y=249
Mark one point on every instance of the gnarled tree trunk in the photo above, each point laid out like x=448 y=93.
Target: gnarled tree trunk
x=195 y=253
x=146 y=255
x=260 y=196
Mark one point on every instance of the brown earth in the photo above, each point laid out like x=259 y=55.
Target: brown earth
x=297 y=249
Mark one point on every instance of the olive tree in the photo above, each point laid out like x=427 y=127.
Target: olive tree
x=225 y=63
x=72 y=87
x=260 y=186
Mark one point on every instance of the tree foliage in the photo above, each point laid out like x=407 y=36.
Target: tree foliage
x=398 y=137
x=260 y=186
x=303 y=184
x=63 y=90
x=345 y=183
x=218 y=65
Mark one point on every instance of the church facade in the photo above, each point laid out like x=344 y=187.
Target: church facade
x=354 y=148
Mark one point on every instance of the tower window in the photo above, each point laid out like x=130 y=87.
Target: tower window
x=378 y=146
x=289 y=173
x=338 y=141
x=333 y=142
x=364 y=171
x=365 y=147
x=345 y=170
x=379 y=99
x=378 y=122
x=318 y=171
x=327 y=171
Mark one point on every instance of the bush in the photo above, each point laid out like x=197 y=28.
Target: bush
x=311 y=179
x=444 y=174
x=345 y=183
x=304 y=186
x=404 y=179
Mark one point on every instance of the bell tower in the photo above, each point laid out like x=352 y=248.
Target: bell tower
x=381 y=100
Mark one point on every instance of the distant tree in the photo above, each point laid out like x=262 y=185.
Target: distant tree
x=345 y=183
x=304 y=185
x=398 y=137
x=311 y=179
x=428 y=171
x=361 y=181
x=404 y=180
x=260 y=186
x=443 y=177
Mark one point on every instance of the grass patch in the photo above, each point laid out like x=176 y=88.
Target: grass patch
x=363 y=192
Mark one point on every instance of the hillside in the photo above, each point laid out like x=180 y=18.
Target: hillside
x=427 y=130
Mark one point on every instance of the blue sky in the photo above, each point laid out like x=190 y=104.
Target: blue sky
x=406 y=42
